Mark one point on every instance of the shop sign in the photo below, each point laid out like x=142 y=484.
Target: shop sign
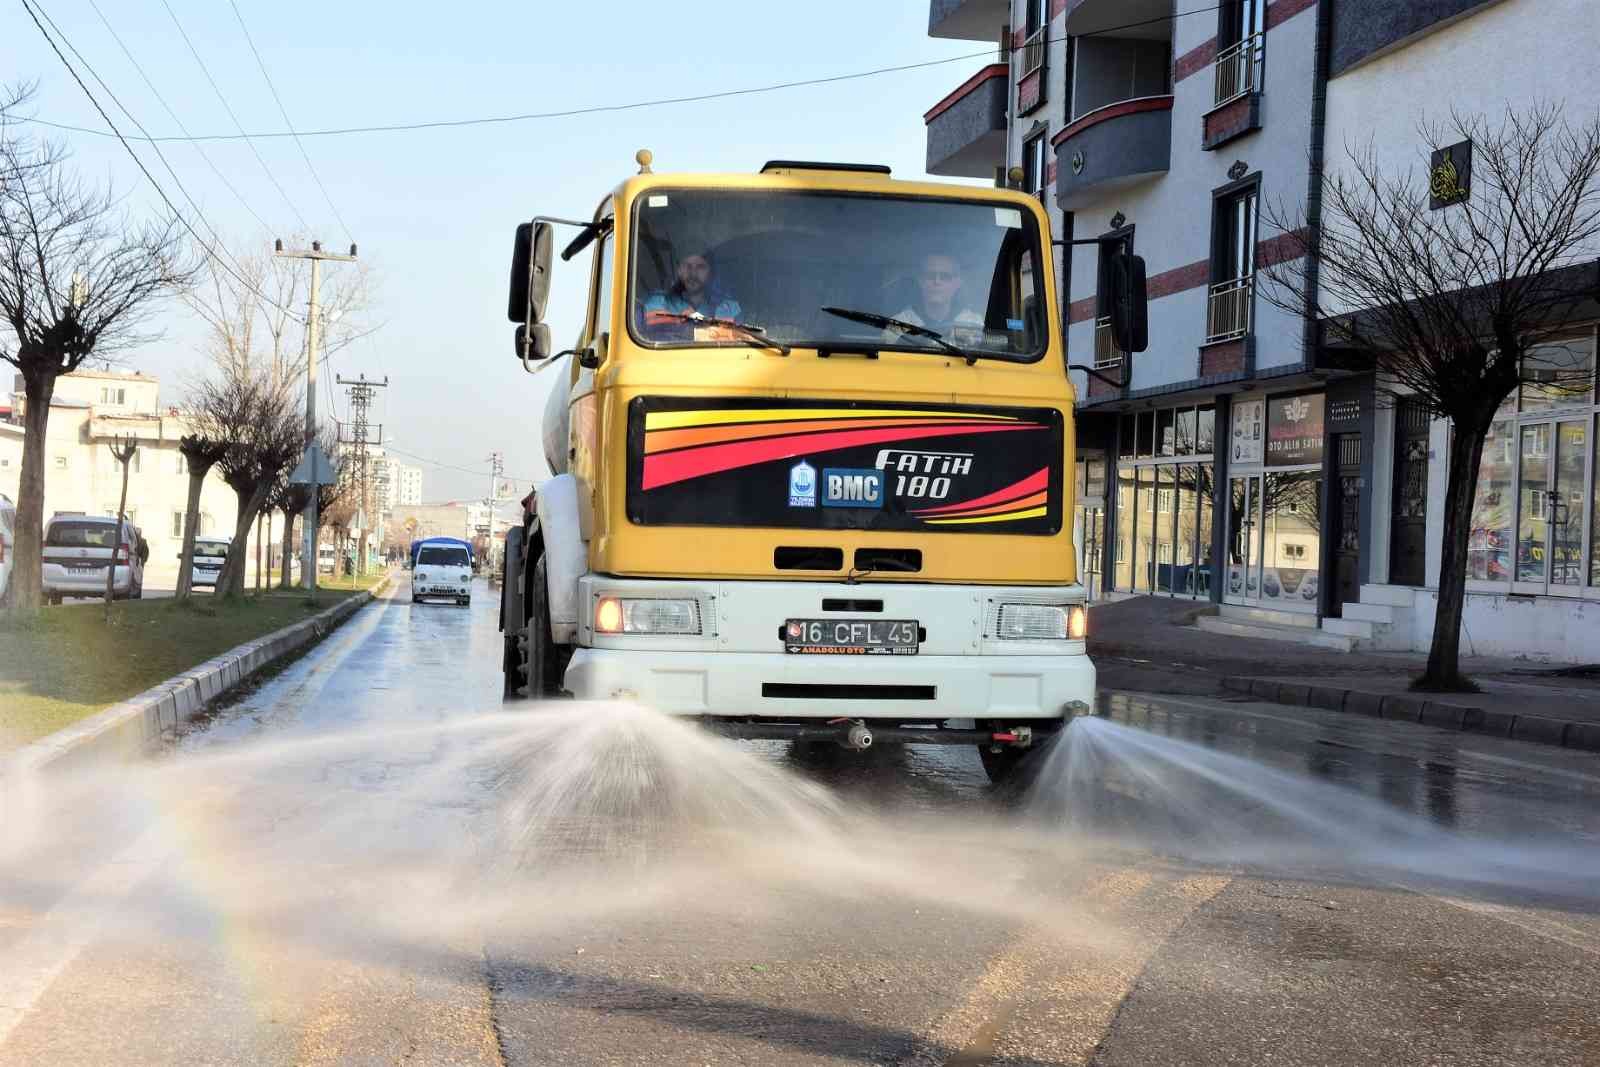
x=1450 y=175
x=1294 y=430
x=1248 y=420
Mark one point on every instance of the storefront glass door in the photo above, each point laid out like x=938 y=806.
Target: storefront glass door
x=1552 y=462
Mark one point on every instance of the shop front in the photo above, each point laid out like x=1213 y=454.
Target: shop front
x=1274 y=502
x=1165 y=502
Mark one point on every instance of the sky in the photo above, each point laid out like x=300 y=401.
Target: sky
x=434 y=211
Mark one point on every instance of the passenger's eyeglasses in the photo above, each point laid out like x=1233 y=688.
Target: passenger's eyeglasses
x=938 y=276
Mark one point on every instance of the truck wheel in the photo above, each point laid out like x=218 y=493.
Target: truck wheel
x=539 y=664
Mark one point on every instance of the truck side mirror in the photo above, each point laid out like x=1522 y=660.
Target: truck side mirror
x=530 y=272
x=533 y=342
x=1130 y=312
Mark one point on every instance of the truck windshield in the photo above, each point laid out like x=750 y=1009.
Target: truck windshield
x=443 y=557
x=965 y=271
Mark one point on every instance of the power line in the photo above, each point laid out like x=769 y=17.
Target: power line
x=225 y=106
x=449 y=466
x=599 y=109
x=284 y=112
x=132 y=118
x=32 y=14
x=174 y=115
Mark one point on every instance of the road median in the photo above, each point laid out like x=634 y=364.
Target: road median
x=128 y=728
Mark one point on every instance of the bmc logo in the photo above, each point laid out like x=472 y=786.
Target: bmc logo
x=845 y=488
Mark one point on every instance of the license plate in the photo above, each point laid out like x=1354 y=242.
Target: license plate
x=851 y=637
x=83 y=570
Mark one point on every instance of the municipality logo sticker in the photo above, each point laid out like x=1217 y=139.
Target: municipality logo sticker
x=802 y=485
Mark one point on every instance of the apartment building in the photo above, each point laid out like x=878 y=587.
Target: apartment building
x=89 y=412
x=1238 y=460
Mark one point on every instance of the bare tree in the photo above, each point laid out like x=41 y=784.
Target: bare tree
x=200 y=454
x=78 y=277
x=258 y=419
x=1454 y=291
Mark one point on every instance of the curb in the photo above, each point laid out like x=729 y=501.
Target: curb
x=126 y=730
x=1539 y=729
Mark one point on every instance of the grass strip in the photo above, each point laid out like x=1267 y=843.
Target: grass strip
x=66 y=663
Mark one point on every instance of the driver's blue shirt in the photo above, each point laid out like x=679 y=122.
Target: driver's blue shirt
x=714 y=305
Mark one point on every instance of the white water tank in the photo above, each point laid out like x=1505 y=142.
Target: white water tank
x=554 y=427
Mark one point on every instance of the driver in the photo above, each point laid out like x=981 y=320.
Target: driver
x=939 y=307
x=695 y=290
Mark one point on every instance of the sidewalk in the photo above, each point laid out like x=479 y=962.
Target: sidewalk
x=1149 y=644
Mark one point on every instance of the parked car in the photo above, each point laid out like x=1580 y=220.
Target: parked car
x=78 y=549
x=210 y=553
x=8 y=543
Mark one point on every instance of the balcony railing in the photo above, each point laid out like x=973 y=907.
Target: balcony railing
x=1228 y=309
x=1238 y=68
x=1107 y=356
x=1033 y=51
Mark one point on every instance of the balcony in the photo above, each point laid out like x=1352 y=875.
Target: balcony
x=1228 y=309
x=1107 y=355
x=968 y=20
x=1236 y=89
x=1112 y=146
x=967 y=129
x=1119 y=98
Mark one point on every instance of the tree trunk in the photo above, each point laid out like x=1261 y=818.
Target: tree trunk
x=116 y=543
x=259 y=538
x=288 y=548
x=231 y=581
x=191 y=529
x=1461 y=487
x=28 y=572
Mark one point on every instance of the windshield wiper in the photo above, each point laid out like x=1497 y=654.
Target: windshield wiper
x=755 y=335
x=884 y=322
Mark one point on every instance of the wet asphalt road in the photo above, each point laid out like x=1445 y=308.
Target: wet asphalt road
x=319 y=874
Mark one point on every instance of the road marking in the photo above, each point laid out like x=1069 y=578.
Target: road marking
x=1078 y=984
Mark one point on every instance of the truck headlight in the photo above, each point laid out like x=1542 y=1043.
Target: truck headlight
x=637 y=615
x=1042 y=622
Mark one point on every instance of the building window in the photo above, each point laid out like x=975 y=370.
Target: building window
x=1233 y=265
x=1241 y=39
x=177 y=524
x=1035 y=162
x=61 y=463
x=183 y=466
x=1035 y=39
x=110 y=394
x=1107 y=355
x=1537 y=480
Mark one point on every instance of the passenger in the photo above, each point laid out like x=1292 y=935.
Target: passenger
x=696 y=290
x=939 y=307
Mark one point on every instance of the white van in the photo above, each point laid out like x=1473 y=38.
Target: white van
x=77 y=551
x=8 y=543
x=210 y=553
x=443 y=569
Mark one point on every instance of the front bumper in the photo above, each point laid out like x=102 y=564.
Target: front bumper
x=784 y=687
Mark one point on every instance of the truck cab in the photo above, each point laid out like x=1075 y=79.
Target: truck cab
x=811 y=455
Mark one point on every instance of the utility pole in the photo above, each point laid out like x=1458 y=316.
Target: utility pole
x=361 y=393
x=308 y=543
